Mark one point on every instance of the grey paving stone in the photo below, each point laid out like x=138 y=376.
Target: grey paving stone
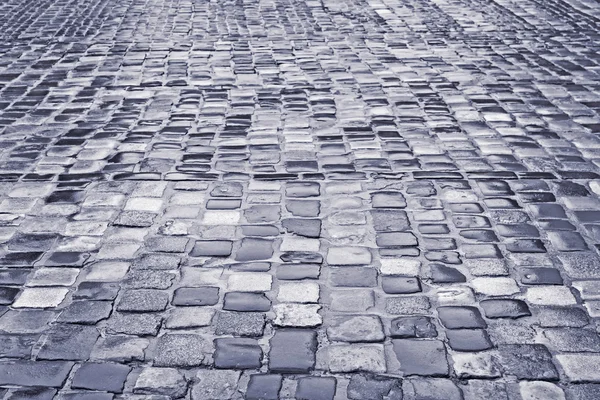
x=180 y=350
x=143 y=300
x=32 y=393
x=239 y=323
x=264 y=387
x=161 y=381
x=292 y=351
x=120 y=348
x=69 y=342
x=236 y=353
x=421 y=357
x=316 y=388
x=134 y=324
x=215 y=384
x=101 y=376
x=532 y=362
x=201 y=296
x=34 y=373
x=375 y=387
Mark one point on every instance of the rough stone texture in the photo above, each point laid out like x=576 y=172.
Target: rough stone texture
x=161 y=381
x=184 y=183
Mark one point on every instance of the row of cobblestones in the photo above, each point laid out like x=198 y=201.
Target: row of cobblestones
x=285 y=199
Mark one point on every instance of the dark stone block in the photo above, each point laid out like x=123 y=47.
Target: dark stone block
x=235 y=353
x=453 y=317
x=421 y=357
x=293 y=351
x=240 y=301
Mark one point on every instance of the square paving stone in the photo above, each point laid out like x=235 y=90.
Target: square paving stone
x=357 y=328
x=572 y=340
x=505 y=308
x=298 y=271
x=403 y=266
x=352 y=300
x=292 y=351
x=34 y=373
x=101 y=376
x=134 y=324
x=180 y=350
x=212 y=248
x=468 y=339
x=302 y=189
x=264 y=387
x=189 y=317
x=86 y=312
x=527 y=361
x=160 y=382
x=460 y=317
x=412 y=327
x=250 y=282
x=7 y=295
x=580 y=367
x=143 y=300
x=40 y=297
x=236 y=353
x=396 y=239
x=348 y=256
x=216 y=384
x=245 y=302
x=201 y=296
x=240 y=323
x=303 y=227
x=421 y=357
x=120 y=348
x=433 y=388
x=31 y=394
x=17 y=346
x=69 y=342
x=253 y=249
x=298 y=292
x=400 y=284
x=316 y=388
x=355 y=358
x=353 y=276
x=407 y=305
x=374 y=387
x=26 y=321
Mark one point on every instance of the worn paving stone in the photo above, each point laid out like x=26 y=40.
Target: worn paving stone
x=161 y=381
x=421 y=357
x=234 y=353
x=375 y=387
x=239 y=323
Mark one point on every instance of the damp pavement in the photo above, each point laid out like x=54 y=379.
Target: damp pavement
x=279 y=199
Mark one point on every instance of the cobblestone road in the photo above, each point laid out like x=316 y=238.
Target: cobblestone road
x=263 y=199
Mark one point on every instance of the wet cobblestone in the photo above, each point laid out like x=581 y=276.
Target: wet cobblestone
x=316 y=199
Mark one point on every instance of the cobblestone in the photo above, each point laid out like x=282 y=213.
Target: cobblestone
x=362 y=199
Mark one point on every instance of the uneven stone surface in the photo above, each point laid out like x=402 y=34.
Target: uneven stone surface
x=311 y=199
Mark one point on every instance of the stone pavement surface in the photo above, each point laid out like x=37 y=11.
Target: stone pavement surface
x=321 y=199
